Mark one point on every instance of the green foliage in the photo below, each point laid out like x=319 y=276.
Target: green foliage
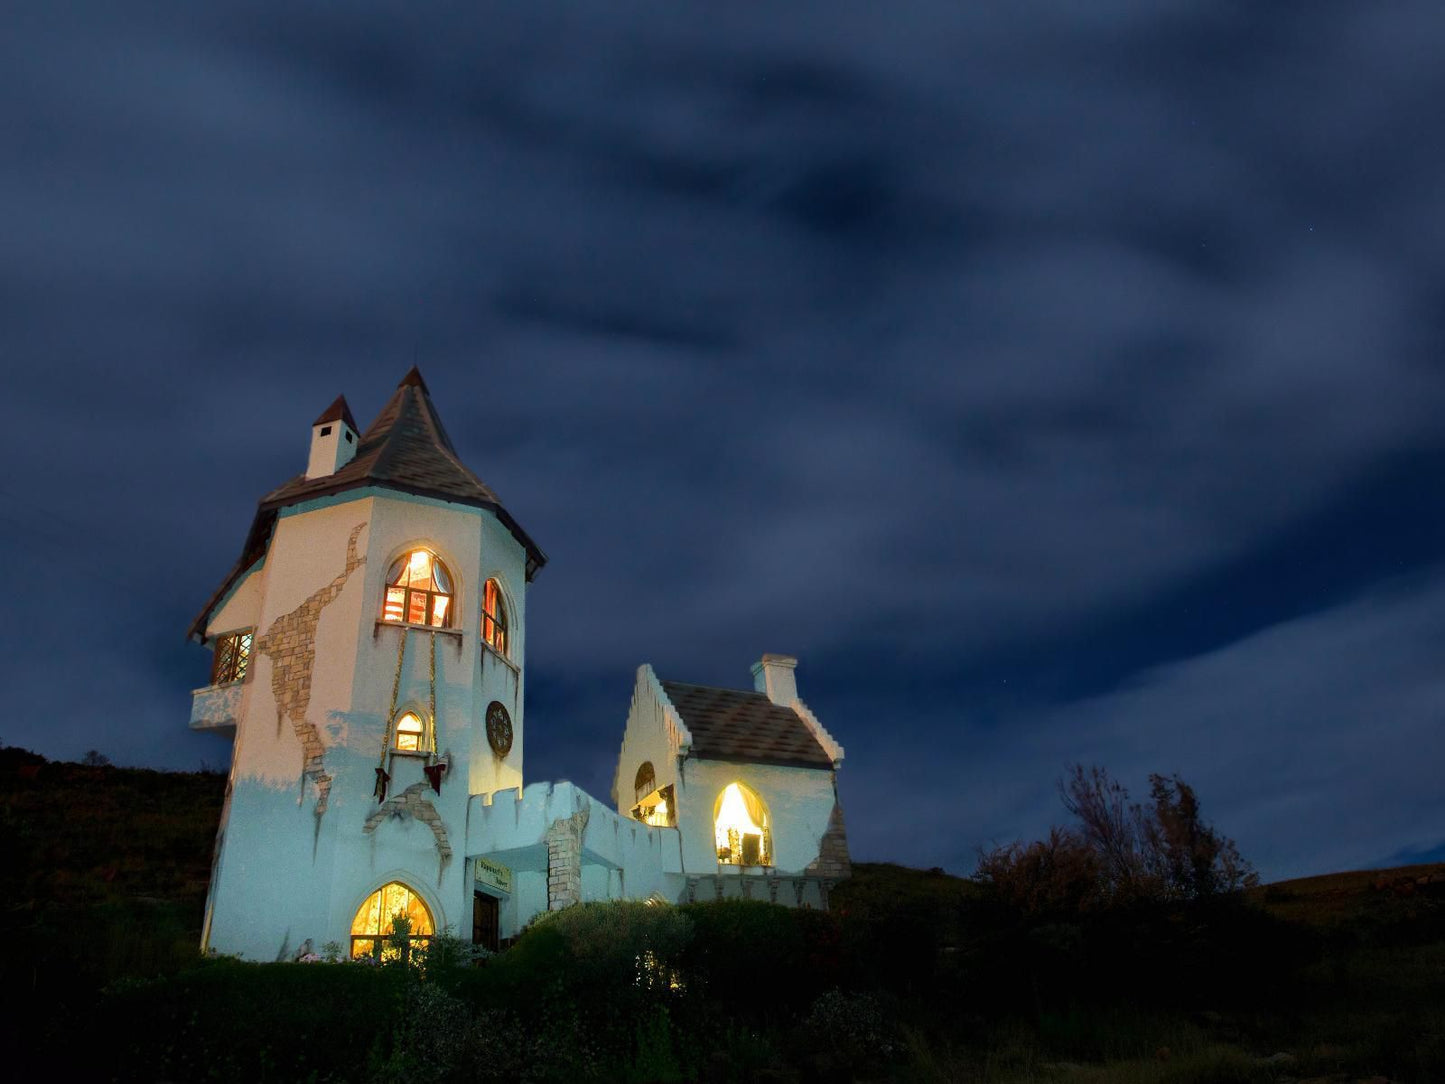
x=227 y=1020
x=913 y=975
x=622 y=943
x=848 y=1031
x=446 y=957
x=742 y=947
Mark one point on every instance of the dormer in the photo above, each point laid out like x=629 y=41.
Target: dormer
x=333 y=440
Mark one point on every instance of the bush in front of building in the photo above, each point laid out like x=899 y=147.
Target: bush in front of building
x=229 y=1020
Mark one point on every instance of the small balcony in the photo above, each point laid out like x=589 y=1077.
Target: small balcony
x=217 y=707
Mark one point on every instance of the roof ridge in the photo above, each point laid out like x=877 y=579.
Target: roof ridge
x=389 y=443
x=719 y=688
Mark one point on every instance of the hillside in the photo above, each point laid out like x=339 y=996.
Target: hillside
x=914 y=975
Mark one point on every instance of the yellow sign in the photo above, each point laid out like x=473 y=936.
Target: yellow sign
x=494 y=874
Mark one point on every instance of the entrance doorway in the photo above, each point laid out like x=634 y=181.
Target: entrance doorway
x=486 y=924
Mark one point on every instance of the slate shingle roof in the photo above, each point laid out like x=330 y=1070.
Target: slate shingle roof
x=730 y=724
x=406 y=449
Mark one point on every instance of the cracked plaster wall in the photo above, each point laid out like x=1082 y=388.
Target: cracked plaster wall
x=290 y=643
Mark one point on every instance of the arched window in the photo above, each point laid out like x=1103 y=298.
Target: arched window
x=494 y=618
x=744 y=833
x=410 y=733
x=653 y=806
x=373 y=930
x=644 y=782
x=418 y=590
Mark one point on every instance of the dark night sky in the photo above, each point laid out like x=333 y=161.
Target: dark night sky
x=1060 y=381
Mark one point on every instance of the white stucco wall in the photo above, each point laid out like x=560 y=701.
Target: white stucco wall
x=285 y=874
x=620 y=857
x=654 y=733
x=240 y=609
x=799 y=801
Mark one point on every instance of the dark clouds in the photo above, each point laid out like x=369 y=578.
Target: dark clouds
x=1055 y=384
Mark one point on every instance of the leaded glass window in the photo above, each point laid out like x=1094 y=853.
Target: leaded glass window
x=410 y=733
x=418 y=591
x=233 y=653
x=374 y=927
x=494 y=618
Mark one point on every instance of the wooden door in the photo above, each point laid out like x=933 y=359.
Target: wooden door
x=485 y=920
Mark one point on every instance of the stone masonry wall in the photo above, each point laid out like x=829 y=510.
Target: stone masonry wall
x=833 y=860
x=290 y=643
x=413 y=802
x=564 y=860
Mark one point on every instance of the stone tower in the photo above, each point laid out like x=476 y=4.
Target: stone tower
x=369 y=661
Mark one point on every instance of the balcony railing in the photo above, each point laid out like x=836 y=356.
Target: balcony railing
x=216 y=707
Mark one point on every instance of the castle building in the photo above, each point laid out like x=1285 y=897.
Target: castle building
x=369 y=662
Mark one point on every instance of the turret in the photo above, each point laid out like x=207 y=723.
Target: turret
x=333 y=440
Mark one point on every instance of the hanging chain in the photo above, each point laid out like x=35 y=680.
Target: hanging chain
x=432 y=704
x=395 y=692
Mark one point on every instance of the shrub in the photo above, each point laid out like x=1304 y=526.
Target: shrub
x=1054 y=876
x=622 y=942
x=748 y=956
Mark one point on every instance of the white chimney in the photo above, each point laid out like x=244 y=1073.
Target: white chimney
x=333 y=440
x=774 y=676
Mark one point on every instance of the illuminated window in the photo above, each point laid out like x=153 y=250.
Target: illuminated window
x=644 y=782
x=233 y=652
x=494 y=618
x=657 y=808
x=375 y=922
x=743 y=834
x=418 y=590
x=410 y=733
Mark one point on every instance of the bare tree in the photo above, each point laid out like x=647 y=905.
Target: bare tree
x=1192 y=858
x=1120 y=851
x=1112 y=826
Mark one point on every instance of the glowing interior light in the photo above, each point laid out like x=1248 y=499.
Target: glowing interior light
x=408 y=733
x=376 y=918
x=420 y=566
x=734 y=813
x=439 y=610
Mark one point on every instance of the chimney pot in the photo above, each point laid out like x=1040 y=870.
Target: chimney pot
x=773 y=675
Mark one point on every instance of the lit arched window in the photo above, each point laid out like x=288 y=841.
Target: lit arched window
x=410 y=733
x=644 y=782
x=418 y=590
x=653 y=806
x=494 y=618
x=375 y=922
x=744 y=833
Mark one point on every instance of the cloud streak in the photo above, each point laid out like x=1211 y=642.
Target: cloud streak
x=922 y=346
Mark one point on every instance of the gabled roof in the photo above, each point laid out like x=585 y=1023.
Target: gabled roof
x=730 y=724
x=405 y=449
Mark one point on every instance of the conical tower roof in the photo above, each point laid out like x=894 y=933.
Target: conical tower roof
x=405 y=449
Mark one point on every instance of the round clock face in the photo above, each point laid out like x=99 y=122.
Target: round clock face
x=499 y=728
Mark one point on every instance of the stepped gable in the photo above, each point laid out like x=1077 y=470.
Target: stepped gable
x=405 y=449
x=730 y=724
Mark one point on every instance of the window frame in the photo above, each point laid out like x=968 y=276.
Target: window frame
x=496 y=627
x=378 y=947
x=237 y=662
x=423 y=737
x=427 y=595
x=735 y=853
